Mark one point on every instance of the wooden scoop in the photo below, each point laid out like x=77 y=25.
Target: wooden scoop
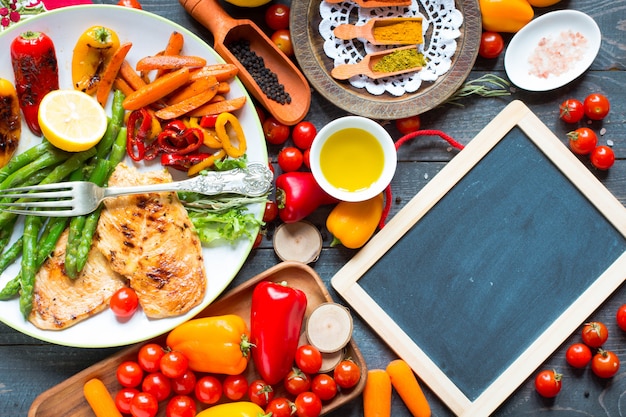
x=226 y=29
x=375 y=3
x=364 y=67
x=366 y=31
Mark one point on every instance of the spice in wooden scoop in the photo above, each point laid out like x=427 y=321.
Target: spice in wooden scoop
x=400 y=60
x=401 y=31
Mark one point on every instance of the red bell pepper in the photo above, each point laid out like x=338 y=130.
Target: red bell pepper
x=277 y=313
x=298 y=194
x=36 y=71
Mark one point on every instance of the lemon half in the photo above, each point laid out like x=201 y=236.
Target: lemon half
x=72 y=120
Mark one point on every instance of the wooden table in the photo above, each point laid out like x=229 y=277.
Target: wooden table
x=28 y=366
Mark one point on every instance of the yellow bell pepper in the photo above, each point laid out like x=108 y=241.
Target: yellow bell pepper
x=353 y=223
x=218 y=344
x=235 y=409
x=92 y=53
x=234 y=150
x=543 y=3
x=505 y=15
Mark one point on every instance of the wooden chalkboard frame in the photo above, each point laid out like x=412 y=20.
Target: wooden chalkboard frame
x=347 y=281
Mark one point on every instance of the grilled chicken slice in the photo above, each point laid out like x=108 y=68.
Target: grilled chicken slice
x=59 y=301
x=149 y=239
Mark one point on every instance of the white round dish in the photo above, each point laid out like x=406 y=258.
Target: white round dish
x=550 y=26
x=149 y=34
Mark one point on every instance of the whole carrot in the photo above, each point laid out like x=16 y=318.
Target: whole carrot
x=404 y=381
x=377 y=394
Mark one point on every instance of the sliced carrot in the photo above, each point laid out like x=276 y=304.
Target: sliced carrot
x=168 y=62
x=206 y=163
x=157 y=89
x=110 y=73
x=223 y=88
x=194 y=88
x=129 y=75
x=185 y=106
x=217 y=107
x=377 y=394
x=122 y=85
x=99 y=399
x=223 y=72
x=404 y=381
x=174 y=47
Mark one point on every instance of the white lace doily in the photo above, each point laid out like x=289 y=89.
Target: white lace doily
x=441 y=23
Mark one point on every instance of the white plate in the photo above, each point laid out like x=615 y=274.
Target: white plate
x=149 y=34
x=550 y=25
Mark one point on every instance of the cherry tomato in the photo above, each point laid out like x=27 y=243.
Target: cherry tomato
x=297 y=382
x=324 y=386
x=308 y=359
x=129 y=374
x=548 y=383
x=174 y=364
x=347 y=373
x=235 y=387
x=290 y=159
x=258 y=239
x=308 y=405
x=184 y=384
x=620 y=316
x=208 y=389
x=306 y=158
x=491 y=45
x=158 y=385
x=280 y=407
x=594 y=334
x=605 y=363
x=571 y=110
x=303 y=134
x=149 y=357
x=123 y=399
x=275 y=132
x=129 y=3
x=180 y=406
x=282 y=39
x=124 y=302
x=578 y=355
x=602 y=157
x=271 y=211
x=260 y=393
x=597 y=106
x=582 y=141
x=409 y=124
x=277 y=16
x=144 y=404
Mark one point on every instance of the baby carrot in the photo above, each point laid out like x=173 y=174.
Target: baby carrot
x=167 y=62
x=404 y=381
x=377 y=394
x=157 y=89
x=110 y=73
x=99 y=399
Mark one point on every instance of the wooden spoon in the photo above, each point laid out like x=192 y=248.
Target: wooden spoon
x=226 y=30
x=366 y=31
x=364 y=66
x=375 y=3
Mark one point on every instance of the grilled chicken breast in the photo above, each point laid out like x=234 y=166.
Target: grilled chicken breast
x=149 y=239
x=59 y=301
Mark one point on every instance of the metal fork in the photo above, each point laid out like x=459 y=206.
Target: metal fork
x=77 y=198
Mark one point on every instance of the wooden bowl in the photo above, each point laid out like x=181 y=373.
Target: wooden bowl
x=67 y=397
x=309 y=51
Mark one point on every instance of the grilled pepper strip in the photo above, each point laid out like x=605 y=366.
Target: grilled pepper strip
x=277 y=313
x=93 y=51
x=36 y=71
x=218 y=344
x=10 y=121
x=221 y=123
x=298 y=194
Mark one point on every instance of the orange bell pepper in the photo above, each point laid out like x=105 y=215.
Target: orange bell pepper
x=352 y=224
x=505 y=15
x=543 y=3
x=218 y=344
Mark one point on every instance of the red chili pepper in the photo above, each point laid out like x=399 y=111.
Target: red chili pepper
x=139 y=125
x=36 y=73
x=298 y=195
x=277 y=313
x=183 y=162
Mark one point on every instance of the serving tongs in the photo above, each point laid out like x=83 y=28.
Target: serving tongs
x=366 y=65
x=365 y=31
x=375 y=3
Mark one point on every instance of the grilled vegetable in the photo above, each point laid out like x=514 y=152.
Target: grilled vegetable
x=36 y=71
x=92 y=53
x=10 y=121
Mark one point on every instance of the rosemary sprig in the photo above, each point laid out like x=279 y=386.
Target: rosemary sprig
x=488 y=85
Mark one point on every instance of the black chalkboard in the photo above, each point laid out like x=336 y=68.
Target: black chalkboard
x=492 y=262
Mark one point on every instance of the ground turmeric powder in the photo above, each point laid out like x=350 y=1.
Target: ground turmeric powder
x=400 y=31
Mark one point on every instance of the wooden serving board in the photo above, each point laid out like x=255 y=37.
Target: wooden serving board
x=66 y=399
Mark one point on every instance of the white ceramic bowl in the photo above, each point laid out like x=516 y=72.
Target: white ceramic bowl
x=383 y=138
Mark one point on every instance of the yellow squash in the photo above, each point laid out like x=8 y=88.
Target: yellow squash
x=10 y=121
x=353 y=223
x=505 y=15
x=93 y=51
